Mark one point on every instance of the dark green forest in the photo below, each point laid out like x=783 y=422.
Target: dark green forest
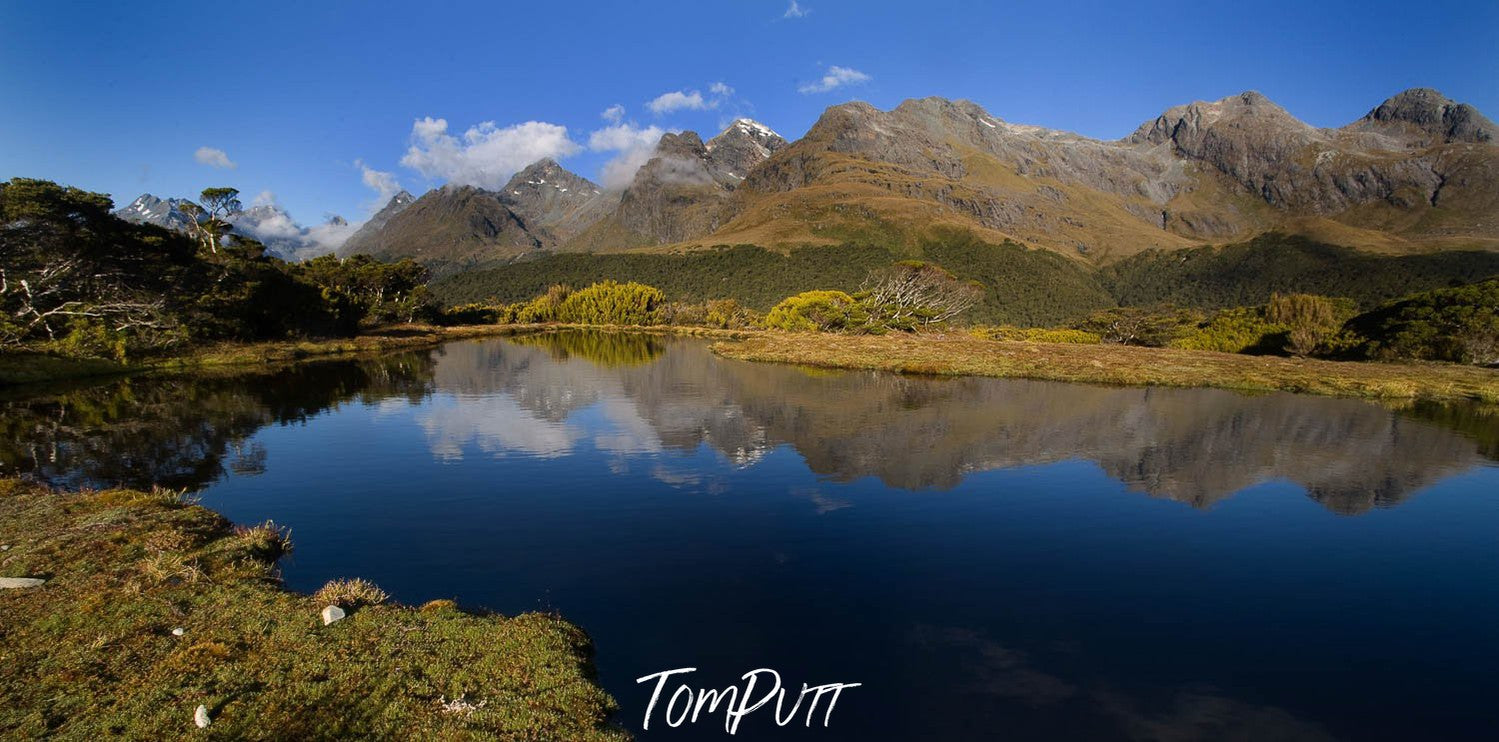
x=1025 y=286
x=1249 y=273
x=1021 y=286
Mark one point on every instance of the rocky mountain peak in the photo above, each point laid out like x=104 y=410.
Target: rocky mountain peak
x=546 y=176
x=149 y=209
x=681 y=144
x=1188 y=123
x=742 y=146
x=1429 y=115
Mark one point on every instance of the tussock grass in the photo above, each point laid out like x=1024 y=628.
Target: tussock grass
x=959 y=355
x=93 y=654
x=350 y=593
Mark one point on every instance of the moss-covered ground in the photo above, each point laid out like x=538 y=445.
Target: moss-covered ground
x=93 y=653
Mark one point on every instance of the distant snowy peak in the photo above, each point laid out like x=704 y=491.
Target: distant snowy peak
x=748 y=130
x=755 y=129
x=148 y=209
x=740 y=147
x=268 y=223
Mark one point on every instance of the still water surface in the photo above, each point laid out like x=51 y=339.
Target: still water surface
x=989 y=558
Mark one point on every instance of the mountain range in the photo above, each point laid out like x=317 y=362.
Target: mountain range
x=1419 y=173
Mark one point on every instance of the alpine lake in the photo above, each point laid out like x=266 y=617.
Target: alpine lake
x=985 y=558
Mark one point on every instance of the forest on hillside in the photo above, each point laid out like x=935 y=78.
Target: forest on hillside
x=1020 y=286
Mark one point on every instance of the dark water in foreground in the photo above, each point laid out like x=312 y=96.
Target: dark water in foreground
x=989 y=558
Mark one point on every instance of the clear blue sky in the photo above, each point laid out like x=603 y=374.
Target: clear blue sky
x=121 y=97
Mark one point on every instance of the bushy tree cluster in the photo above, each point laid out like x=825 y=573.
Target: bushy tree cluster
x=364 y=290
x=76 y=279
x=1459 y=324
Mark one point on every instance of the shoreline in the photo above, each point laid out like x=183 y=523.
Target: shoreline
x=926 y=354
x=18 y=369
x=1119 y=365
x=154 y=606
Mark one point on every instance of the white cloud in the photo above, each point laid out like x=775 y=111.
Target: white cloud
x=214 y=158
x=634 y=146
x=720 y=89
x=328 y=236
x=613 y=114
x=835 y=77
x=677 y=100
x=796 y=11
x=384 y=184
x=486 y=155
x=264 y=198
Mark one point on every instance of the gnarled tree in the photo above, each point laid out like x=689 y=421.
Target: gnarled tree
x=912 y=294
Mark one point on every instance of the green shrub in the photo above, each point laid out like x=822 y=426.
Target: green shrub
x=817 y=311
x=1458 y=324
x=613 y=303
x=473 y=314
x=88 y=338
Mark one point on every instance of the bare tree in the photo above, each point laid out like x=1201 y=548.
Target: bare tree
x=913 y=294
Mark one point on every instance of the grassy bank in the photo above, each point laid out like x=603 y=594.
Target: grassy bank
x=26 y=368
x=94 y=652
x=1118 y=364
x=956 y=354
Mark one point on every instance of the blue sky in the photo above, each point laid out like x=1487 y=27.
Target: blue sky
x=321 y=103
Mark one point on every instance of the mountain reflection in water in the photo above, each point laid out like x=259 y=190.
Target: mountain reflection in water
x=1195 y=446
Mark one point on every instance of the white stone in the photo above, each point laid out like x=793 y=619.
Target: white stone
x=332 y=613
x=4 y=547
x=20 y=582
x=200 y=717
x=178 y=632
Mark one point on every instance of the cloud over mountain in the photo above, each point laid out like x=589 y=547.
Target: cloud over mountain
x=633 y=146
x=384 y=184
x=485 y=155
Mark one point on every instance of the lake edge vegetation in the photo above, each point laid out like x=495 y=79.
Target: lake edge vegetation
x=71 y=310
x=154 y=606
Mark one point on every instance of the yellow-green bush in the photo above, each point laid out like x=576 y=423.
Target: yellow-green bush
x=816 y=311
x=1237 y=330
x=613 y=303
x=1037 y=334
x=544 y=308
